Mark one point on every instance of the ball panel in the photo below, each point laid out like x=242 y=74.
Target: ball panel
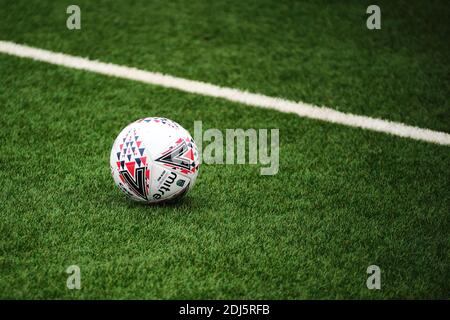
x=166 y=183
x=129 y=161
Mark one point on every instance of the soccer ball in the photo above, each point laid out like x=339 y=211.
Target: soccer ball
x=154 y=160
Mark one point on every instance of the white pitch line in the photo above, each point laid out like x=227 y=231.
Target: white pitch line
x=206 y=89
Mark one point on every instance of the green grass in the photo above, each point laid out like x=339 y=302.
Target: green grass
x=316 y=51
x=343 y=199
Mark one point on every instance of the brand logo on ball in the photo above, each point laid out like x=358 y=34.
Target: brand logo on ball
x=180 y=183
x=165 y=187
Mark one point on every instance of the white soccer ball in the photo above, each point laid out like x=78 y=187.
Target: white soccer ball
x=154 y=160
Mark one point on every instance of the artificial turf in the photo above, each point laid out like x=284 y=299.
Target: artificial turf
x=343 y=198
x=316 y=51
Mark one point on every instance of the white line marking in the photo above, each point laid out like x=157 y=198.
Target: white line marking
x=206 y=89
